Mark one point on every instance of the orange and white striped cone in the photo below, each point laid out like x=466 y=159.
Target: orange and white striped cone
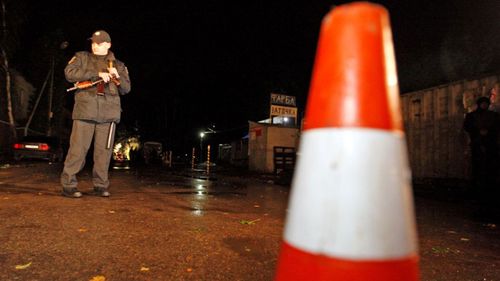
x=351 y=214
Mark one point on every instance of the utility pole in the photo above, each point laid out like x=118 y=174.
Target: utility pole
x=49 y=79
x=62 y=46
x=51 y=93
x=36 y=104
x=202 y=134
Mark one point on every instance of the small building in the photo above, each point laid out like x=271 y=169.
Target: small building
x=264 y=139
x=234 y=153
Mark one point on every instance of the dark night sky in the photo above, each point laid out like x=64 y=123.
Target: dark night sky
x=194 y=63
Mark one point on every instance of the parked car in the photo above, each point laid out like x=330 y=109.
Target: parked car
x=152 y=152
x=39 y=147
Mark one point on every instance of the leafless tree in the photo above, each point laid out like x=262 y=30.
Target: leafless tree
x=6 y=70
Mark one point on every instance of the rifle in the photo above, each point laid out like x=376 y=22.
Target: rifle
x=89 y=83
x=84 y=85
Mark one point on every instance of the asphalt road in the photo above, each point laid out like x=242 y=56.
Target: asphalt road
x=161 y=225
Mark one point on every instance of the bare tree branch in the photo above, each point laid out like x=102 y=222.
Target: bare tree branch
x=5 y=66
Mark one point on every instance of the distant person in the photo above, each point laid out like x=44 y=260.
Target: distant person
x=483 y=125
x=493 y=93
x=96 y=111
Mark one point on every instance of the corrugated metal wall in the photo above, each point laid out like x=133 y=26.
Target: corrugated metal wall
x=433 y=118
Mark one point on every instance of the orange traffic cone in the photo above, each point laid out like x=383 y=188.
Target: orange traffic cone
x=351 y=214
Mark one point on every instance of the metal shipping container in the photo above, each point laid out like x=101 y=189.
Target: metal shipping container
x=433 y=119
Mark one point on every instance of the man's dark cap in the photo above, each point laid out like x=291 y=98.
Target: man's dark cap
x=483 y=99
x=100 y=36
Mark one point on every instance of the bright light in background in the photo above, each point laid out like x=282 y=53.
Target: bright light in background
x=197 y=212
x=122 y=149
x=202 y=134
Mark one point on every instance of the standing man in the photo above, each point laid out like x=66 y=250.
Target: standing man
x=96 y=111
x=483 y=126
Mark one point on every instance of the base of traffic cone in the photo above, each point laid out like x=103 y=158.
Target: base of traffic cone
x=295 y=264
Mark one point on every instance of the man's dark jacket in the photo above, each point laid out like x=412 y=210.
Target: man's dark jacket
x=88 y=105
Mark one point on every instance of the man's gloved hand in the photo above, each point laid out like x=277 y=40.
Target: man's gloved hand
x=113 y=72
x=105 y=76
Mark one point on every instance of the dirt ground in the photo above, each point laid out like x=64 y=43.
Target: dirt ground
x=159 y=225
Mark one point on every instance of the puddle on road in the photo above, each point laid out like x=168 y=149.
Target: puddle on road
x=202 y=187
x=199 y=192
x=197 y=208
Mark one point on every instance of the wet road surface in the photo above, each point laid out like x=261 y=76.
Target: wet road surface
x=159 y=225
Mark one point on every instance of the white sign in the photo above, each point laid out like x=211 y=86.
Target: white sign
x=278 y=99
